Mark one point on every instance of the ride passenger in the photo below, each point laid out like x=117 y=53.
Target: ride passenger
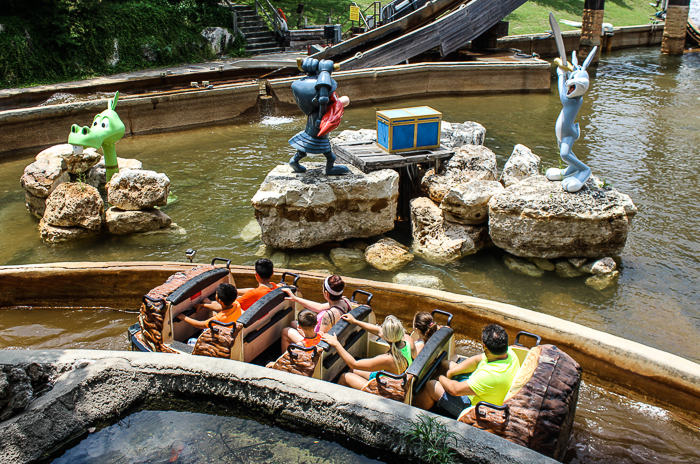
x=484 y=377
x=306 y=320
x=425 y=325
x=401 y=352
x=327 y=314
x=263 y=272
x=230 y=310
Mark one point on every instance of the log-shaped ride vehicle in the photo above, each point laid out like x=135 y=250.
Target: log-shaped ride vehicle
x=538 y=411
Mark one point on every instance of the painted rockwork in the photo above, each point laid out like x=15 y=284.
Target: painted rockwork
x=623 y=366
x=100 y=385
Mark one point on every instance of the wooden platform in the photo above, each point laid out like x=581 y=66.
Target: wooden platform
x=368 y=156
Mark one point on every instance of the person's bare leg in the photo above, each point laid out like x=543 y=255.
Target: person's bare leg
x=290 y=335
x=429 y=396
x=364 y=374
x=355 y=381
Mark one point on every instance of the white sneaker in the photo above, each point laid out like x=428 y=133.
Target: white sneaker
x=554 y=174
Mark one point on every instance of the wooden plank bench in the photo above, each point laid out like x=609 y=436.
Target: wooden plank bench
x=368 y=156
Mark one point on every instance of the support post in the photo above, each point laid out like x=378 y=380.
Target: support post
x=591 y=29
x=673 y=40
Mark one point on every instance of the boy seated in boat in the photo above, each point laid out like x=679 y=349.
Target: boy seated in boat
x=263 y=272
x=306 y=320
x=484 y=377
x=229 y=310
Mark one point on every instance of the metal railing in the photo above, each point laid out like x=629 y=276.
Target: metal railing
x=400 y=8
x=275 y=22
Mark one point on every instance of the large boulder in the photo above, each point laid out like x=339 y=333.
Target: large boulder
x=56 y=234
x=75 y=205
x=35 y=205
x=455 y=135
x=98 y=174
x=469 y=203
x=439 y=240
x=133 y=190
x=76 y=163
x=43 y=176
x=388 y=255
x=219 y=39
x=470 y=163
x=523 y=163
x=302 y=210
x=348 y=259
x=128 y=222
x=536 y=218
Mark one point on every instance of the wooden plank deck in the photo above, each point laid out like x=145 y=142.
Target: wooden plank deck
x=368 y=156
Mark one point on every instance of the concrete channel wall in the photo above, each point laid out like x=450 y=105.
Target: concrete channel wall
x=98 y=386
x=621 y=365
x=33 y=129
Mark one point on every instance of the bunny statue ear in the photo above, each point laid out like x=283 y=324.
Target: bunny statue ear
x=574 y=59
x=589 y=58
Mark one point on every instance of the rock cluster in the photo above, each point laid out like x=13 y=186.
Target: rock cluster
x=302 y=210
x=20 y=384
x=61 y=189
x=604 y=271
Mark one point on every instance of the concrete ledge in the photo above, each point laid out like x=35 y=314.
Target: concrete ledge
x=99 y=385
x=624 y=366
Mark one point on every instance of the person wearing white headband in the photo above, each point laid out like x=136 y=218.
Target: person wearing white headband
x=327 y=313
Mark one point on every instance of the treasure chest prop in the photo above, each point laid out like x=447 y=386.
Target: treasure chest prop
x=408 y=129
x=538 y=411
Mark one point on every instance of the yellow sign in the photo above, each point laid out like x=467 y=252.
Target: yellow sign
x=354 y=13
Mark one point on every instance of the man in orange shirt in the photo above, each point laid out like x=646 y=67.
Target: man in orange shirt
x=263 y=272
x=229 y=309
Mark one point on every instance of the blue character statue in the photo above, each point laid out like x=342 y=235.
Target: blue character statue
x=572 y=85
x=316 y=98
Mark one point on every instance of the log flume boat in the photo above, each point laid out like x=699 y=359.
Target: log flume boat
x=620 y=365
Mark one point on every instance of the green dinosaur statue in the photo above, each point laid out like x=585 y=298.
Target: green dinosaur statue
x=106 y=130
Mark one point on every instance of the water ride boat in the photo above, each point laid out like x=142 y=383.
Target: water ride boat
x=538 y=411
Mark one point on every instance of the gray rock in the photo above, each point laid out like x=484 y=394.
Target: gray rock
x=522 y=266
x=133 y=190
x=543 y=264
x=469 y=163
x=75 y=205
x=355 y=136
x=219 y=39
x=264 y=251
x=280 y=259
x=601 y=266
x=567 y=270
x=121 y=222
x=523 y=163
x=357 y=245
x=43 y=176
x=55 y=234
x=19 y=393
x=469 y=203
x=35 y=205
x=455 y=135
x=388 y=255
x=303 y=210
x=417 y=280
x=535 y=218
x=251 y=231
x=578 y=262
x=98 y=174
x=310 y=261
x=602 y=281
x=439 y=240
x=348 y=259
x=76 y=163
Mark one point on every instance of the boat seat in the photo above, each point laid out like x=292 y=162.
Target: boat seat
x=403 y=387
x=182 y=347
x=324 y=364
x=539 y=409
x=178 y=294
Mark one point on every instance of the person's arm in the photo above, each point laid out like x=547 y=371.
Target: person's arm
x=213 y=306
x=455 y=388
x=468 y=365
x=371 y=328
x=383 y=361
x=308 y=304
x=194 y=322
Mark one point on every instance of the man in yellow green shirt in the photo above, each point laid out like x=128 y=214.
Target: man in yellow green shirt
x=484 y=377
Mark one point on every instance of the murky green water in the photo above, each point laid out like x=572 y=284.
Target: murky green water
x=640 y=131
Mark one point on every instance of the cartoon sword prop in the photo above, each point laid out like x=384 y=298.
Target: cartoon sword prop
x=561 y=61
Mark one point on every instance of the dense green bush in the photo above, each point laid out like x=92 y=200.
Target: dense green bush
x=45 y=41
